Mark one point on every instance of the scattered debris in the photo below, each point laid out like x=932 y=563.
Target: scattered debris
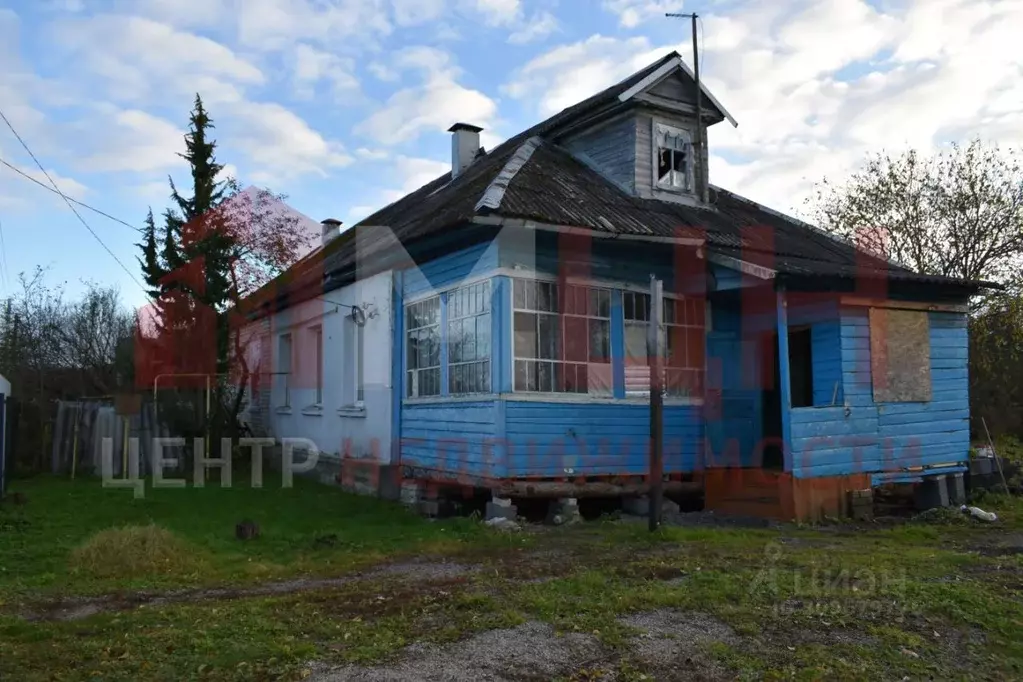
x=246 y=530
x=978 y=513
x=502 y=523
x=324 y=541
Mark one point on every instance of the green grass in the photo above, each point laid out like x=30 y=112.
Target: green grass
x=917 y=600
x=37 y=539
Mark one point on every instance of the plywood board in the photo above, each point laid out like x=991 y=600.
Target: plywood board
x=900 y=355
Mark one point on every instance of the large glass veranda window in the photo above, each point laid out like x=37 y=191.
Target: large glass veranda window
x=562 y=338
x=682 y=342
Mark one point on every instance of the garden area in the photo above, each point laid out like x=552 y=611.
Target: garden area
x=97 y=585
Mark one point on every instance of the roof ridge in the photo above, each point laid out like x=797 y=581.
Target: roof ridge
x=494 y=193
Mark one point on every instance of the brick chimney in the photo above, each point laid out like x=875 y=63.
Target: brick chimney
x=465 y=143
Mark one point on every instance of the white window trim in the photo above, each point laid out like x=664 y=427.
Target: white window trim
x=405 y=347
x=286 y=405
x=654 y=160
x=317 y=405
x=358 y=365
x=489 y=311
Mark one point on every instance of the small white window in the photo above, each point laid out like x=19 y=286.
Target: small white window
x=353 y=392
x=317 y=334
x=283 y=374
x=357 y=361
x=673 y=160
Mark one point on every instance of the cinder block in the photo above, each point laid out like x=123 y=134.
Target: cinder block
x=411 y=491
x=429 y=507
x=930 y=493
x=498 y=509
x=957 y=489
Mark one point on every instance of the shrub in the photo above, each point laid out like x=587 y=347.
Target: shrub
x=132 y=551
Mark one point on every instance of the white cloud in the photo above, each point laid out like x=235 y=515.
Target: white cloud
x=150 y=58
x=434 y=104
x=135 y=141
x=496 y=12
x=383 y=72
x=275 y=24
x=18 y=193
x=367 y=154
x=632 y=13
x=816 y=85
x=414 y=12
x=541 y=25
x=570 y=73
x=311 y=65
x=281 y=145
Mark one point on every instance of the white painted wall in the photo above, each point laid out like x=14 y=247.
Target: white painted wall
x=337 y=419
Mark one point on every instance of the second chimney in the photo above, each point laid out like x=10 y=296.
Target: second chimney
x=465 y=142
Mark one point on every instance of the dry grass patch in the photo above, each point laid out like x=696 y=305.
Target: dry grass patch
x=132 y=551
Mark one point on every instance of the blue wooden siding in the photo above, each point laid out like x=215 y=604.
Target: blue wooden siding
x=887 y=438
x=449 y=270
x=610 y=150
x=454 y=437
x=734 y=422
x=553 y=439
x=826 y=356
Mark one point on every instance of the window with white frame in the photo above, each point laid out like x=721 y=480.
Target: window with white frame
x=673 y=162
x=358 y=363
x=682 y=342
x=562 y=338
x=422 y=325
x=283 y=373
x=352 y=391
x=468 y=336
x=317 y=338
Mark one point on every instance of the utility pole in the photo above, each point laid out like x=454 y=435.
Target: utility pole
x=701 y=171
x=654 y=361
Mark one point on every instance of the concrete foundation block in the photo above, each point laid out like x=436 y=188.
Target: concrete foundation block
x=563 y=510
x=501 y=508
x=410 y=494
x=931 y=492
x=637 y=506
x=429 y=508
x=957 y=489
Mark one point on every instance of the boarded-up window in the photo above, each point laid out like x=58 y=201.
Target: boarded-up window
x=900 y=355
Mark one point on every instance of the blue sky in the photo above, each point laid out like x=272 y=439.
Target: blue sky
x=343 y=104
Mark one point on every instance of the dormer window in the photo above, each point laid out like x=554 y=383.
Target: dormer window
x=674 y=158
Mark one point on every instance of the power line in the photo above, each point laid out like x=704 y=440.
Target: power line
x=75 y=201
x=70 y=205
x=3 y=255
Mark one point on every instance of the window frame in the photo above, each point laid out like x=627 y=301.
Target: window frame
x=317 y=332
x=555 y=298
x=281 y=356
x=480 y=309
x=688 y=175
x=685 y=390
x=417 y=371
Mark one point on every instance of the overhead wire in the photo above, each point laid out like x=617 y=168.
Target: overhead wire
x=72 y=200
x=70 y=205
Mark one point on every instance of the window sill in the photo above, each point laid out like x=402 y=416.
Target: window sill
x=313 y=411
x=283 y=409
x=354 y=411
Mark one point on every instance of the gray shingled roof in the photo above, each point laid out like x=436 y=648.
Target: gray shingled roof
x=531 y=178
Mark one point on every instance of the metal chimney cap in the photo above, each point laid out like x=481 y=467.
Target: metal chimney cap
x=331 y=222
x=464 y=126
